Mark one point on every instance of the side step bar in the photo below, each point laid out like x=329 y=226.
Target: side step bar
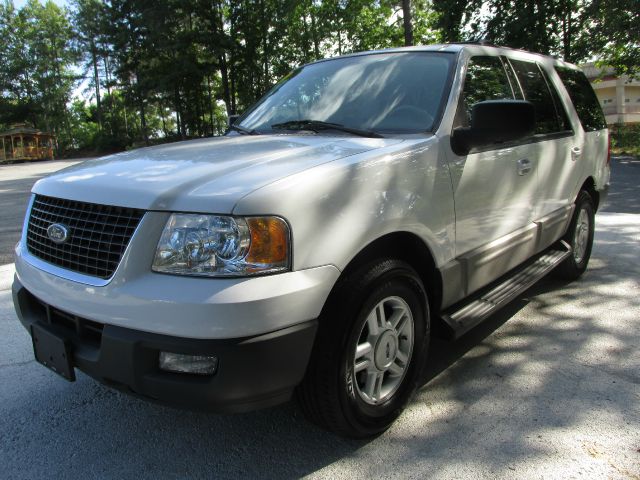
x=463 y=317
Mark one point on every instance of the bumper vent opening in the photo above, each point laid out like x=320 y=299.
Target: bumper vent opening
x=77 y=329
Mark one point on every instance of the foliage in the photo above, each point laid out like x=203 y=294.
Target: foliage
x=454 y=15
x=615 y=32
x=625 y=138
x=159 y=70
x=36 y=77
x=575 y=30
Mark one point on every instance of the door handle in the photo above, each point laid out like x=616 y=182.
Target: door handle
x=524 y=166
x=575 y=153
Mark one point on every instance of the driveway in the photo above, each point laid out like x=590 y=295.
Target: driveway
x=16 y=181
x=547 y=388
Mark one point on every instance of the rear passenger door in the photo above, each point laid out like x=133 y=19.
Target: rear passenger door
x=592 y=137
x=557 y=149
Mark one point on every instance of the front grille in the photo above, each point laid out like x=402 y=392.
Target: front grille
x=97 y=234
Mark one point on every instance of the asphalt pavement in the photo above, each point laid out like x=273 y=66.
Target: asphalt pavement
x=16 y=181
x=547 y=388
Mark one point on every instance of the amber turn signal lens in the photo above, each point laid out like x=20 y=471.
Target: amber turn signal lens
x=269 y=241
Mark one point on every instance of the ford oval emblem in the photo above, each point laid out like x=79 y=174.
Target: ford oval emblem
x=57 y=233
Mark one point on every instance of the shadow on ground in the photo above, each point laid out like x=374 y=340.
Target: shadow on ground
x=495 y=399
x=546 y=387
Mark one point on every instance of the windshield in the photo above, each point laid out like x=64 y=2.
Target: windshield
x=384 y=93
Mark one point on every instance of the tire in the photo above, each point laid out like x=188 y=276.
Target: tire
x=580 y=237
x=376 y=319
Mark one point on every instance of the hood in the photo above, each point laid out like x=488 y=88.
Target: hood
x=206 y=175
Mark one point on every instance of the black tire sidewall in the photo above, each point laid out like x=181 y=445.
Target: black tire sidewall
x=403 y=282
x=583 y=202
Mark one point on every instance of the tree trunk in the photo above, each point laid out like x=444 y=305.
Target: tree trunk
x=198 y=107
x=164 y=123
x=96 y=82
x=179 y=119
x=126 y=121
x=406 y=19
x=211 y=113
x=305 y=38
x=265 y=52
x=226 y=92
x=231 y=67
x=314 y=33
x=566 y=32
x=107 y=74
x=143 y=119
x=234 y=106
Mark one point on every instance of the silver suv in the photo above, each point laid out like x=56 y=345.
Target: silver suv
x=363 y=203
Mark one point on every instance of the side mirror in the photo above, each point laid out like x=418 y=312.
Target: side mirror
x=232 y=119
x=494 y=121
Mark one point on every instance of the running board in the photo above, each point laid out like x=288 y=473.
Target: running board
x=463 y=318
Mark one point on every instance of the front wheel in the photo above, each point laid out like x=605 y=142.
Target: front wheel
x=580 y=237
x=370 y=350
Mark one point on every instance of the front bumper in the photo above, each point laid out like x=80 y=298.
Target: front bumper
x=179 y=306
x=253 y=372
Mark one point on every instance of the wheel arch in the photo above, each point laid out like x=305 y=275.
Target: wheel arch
x=407 y=247
x=589 y=186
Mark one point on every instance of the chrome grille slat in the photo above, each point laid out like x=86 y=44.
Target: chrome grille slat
x=35 y=217
x=81 y=230
x=105 y=213
x=99 y=234
x=84 y=258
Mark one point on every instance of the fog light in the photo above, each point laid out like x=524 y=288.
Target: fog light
x=180 y=363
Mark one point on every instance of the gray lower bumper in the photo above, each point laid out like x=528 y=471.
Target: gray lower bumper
x=253 y=372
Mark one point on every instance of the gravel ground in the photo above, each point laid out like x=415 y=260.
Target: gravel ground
x=547 y=388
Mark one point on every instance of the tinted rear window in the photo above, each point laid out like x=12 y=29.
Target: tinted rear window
x=584 y=99
x=537 y=92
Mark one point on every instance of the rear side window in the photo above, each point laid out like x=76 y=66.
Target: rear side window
x=486 y=80
x=584 y=99
x=549 y=117
x=563 y=118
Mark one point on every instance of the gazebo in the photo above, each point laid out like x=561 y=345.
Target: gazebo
x=23 y=142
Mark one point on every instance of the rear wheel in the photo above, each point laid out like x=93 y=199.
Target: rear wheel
x=580 y=237
x=370 y=350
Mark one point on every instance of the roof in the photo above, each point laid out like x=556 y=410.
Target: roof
x=24 y=129
x=450 y=47
x=476 y=48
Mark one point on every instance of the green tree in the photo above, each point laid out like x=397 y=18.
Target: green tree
x=452 y=16
x=89 y=18
x=165 y=69
x=614 y=34
x=13 y=91
x=36 y=73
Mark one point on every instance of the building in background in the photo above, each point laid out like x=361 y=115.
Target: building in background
x=619 y=96
x=23 y=142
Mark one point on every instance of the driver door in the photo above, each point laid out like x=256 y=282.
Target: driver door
x=494 y=187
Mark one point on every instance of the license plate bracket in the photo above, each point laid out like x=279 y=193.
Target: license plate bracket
x=53 y=352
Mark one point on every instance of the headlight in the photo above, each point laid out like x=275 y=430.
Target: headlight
x=219 y=246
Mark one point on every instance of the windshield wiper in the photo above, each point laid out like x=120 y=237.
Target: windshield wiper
x=244 y=131
x=317 y=125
